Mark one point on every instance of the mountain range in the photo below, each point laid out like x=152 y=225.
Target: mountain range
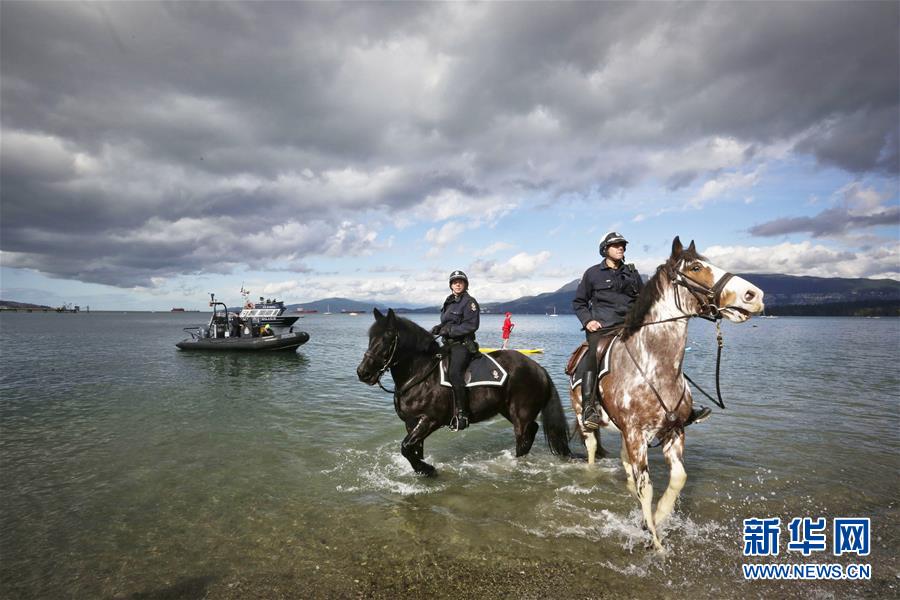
x=785 y=295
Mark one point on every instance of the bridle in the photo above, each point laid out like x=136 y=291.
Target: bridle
x=390 y=362
x=709 y=298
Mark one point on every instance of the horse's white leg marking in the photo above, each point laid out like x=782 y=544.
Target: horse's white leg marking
x=590 y=442
x=641 y=474
x=626 y=464
x=677 y=478
x=645 y=495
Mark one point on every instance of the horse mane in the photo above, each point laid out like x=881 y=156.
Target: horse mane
x=653 y=291
x=412 y=336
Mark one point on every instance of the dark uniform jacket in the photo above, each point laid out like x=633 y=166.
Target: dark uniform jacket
x=605 y=294
x=460 y=314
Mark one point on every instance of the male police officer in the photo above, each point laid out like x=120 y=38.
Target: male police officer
x=602 y=300
x=459 y=321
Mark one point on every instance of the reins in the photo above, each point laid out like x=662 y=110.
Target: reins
x=709 y=310
x=390 y=363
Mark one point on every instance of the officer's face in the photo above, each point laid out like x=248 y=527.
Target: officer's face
x=457 y=286
x=616 y=251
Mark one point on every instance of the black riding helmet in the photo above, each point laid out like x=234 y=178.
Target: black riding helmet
x=613 y=237
x=458 y=275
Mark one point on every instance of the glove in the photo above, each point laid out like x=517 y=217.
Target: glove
x=436 y=330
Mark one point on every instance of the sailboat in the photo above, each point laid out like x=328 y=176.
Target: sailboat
x=554 y=313
x=327 y=310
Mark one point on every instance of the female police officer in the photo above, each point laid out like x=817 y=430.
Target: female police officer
x=602 y=300
x=459 y=322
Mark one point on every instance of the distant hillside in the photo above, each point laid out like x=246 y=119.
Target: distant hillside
x=863 y=308
x=336 y=305
x=788 y=289
x=21 y=305
x=857 y=296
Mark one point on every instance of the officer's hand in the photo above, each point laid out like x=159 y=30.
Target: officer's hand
x=593 y=326
x=445 y=330
x=436 y=330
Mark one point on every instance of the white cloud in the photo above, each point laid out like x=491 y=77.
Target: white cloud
x=806 y=258
x=494 y=249
x=520 y=266
x=446 y=233
x=723 y=186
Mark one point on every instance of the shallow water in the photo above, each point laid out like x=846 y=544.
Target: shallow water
x=130 y=468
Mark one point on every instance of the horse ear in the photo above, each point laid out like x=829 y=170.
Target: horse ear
x=391 y=317
x=692 y=248
x=377 y=313
x=677 y=248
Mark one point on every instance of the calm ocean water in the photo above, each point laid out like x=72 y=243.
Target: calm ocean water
x=133 y=470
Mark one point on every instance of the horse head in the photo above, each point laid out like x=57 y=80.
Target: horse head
x=392 y=340
x=384 y=338
x=711 y=291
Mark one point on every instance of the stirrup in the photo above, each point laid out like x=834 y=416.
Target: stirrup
x=459 y=422
x=591 y=419
x=698 y=415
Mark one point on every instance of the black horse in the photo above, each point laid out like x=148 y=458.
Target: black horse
x=412 y=355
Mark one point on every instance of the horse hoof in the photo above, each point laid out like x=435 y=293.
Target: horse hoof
x=426 y=471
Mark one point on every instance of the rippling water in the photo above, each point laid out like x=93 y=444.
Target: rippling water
x=132 y=469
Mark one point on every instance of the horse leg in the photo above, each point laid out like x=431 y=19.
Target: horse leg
x=637 y=455
x=412 y=446
x=672 y=450
x=418 y=449
x=591 y=442
x=626 y=465
x=525 y=438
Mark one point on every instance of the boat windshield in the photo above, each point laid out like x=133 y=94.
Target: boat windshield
x=259 y=312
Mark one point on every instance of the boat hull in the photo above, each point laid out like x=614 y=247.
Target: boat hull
x=269 y=343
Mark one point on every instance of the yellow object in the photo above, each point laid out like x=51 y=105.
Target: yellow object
x=522 y=350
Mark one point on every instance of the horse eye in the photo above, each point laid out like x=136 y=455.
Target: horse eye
x=695 y=268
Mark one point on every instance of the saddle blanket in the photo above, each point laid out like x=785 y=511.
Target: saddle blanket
x=581 y=366
x=482 y=370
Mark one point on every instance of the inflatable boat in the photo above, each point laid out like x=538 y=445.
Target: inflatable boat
x=270 y=343
x=230 y=331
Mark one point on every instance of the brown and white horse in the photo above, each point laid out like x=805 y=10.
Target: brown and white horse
x=645 y=393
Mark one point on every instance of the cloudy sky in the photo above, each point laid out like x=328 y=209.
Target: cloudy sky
x=154 y=152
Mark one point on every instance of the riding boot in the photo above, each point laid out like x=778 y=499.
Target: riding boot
x=590 y=416
x=698 y=415
x=461 y=401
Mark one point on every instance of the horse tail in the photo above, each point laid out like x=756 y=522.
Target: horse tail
x=556 y=430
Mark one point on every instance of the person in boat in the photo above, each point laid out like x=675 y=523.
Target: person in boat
x=606 y=292
x=459 y=322
x=507 y=329
x=235 y=326
x=266 y=330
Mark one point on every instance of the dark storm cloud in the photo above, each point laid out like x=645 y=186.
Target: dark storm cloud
x=833 y=221
x=142 y=140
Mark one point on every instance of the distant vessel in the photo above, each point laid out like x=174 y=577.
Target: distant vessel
x=327 y=310
x=306 y=311
x=177 y=310
x=554 y=313
x=265 y=312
